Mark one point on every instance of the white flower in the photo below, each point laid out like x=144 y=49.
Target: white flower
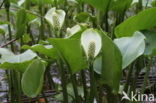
x=91 y=42
x=55 y=17
x=71 y=31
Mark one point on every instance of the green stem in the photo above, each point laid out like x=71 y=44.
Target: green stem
x=145 y=83
x=73 y=79
x=138 y=67
x=63 y=81
x=41 y=35
x=93 y=88
x=128 y=78
x=49 y=77
x=106 y=22
x=27 y=6
x=139 y=6
x=111 y=98
x=84 y=85
x=9 y=28
x=14 y=79
x=55 y=3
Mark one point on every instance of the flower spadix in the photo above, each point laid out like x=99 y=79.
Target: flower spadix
x=55 y=17
x=91 y=43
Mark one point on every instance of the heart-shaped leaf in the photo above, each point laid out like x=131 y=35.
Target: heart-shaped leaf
x=71 y=51
x=111 y=63
x=32 y=79
x=144 y=20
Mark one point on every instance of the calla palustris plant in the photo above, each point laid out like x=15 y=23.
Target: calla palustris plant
x=79 y=51
x=91 y=42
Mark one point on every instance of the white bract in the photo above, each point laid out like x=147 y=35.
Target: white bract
x=55 y=17
x=91 y=42
x=71 y=31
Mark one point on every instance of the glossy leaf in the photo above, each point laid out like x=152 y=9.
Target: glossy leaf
x=111 y=63
x=71 y=51
x=144 y=20
x=32 y=79
x=131 y=47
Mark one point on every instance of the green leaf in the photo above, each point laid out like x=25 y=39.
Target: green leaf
x=101 y=5
x=150 y=43
x=46 y=50
x=98 y=65
x=71 y=51
x=16 y=62
x=32 y=79
x=120 y=5
x=144 y=20
x=111 y=64
x=131 y=47
x=21 y=22
x=83 y=17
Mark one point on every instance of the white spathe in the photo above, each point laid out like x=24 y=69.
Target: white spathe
x=71 y=31
x=89 y=36
x=60 y=14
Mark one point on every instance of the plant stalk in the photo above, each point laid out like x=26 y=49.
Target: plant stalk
x=93 y=88
x=63 y=81
x=84 y=85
